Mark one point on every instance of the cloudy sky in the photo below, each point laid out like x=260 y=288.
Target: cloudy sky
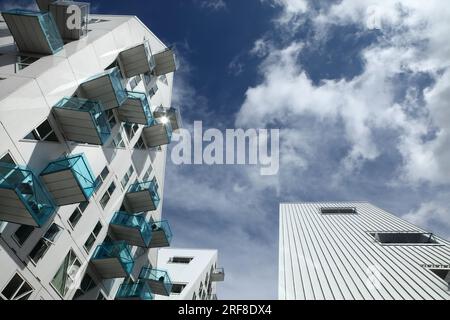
x=359 y=90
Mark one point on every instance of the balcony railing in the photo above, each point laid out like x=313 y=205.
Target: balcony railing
x=137 y=60
x=161 y=234
x=70 y=180
x=134 y=291
x=106 y=88
x=143 y=197
x=82 y=120
x=158 y=133
x=23 y=198
x=171 y=114
x=158 y=280
x=113 y=260
x=218 y=275
x=135 y=109
x=33 y=32
x=132 y=228
x=63 y=17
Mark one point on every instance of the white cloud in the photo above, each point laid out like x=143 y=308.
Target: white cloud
x=18 y=4
x=214 y=5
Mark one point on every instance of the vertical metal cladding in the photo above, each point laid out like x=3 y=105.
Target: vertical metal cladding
x=337 y=257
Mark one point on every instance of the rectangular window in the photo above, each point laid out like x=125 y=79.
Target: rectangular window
x=126 y=178
x=181 y=260
x=101 y=296
x=153 y=90
x=404 y=238
x=101 y=178
x=7 y=159
x=16 y=289
x=177 y=288
x=444 y=274
x=86 y=285
x=77 y=214
x=44 y=132
x=49 y=238
x=337 y=210
x=148 y=174
x=130 y=130
x=93 y=237
x=111 y=118
x=107 y=195
x=66 y=274
x=24 y=61
x=140 y=145
x=22 y=234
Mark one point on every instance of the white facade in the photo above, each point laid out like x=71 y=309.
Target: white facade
x=356 y=251
x=27 y=99
x=193 y=272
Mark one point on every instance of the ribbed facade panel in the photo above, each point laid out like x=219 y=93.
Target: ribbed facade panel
x=334 y=256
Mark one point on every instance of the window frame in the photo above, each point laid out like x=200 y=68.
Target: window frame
x=127 y=176
x=37 y=135
x=93 y=234
x=45 y=241
x=108 y=193
x=67 y=273
x=81 y=211
x=18 y=241
x=171 y=260
x=182 y=284
x=14 y=295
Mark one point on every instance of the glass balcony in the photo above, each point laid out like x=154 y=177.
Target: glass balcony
x=157 y=134
x=142 y=197
x=218 y=275
x=106 y=87
x=33 y=32
x=132 y=228
x=137 y=60
x=158 y=280
x=166 y=62
x=63 y=18
x=70 y=180
x=161 y=234
x=134 y=291
x=113 y=260
x=82 y=120
x=136 y=109
x=171 y=114
x=23 y=198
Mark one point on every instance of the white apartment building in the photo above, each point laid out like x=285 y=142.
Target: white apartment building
x=356 y=251
x=85 y=119
x=194 y=273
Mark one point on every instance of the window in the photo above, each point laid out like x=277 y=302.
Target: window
x=66 y=274
x=343 y=210
x=86 y=285
x=127 y=176
x=44 y=243
x=24 y=61
x=22 y=234
x=118 y=141
x=404 y=237
x=107 y=196
x=181 y=260
x=444 y=274
x=130 y=130
x=101 y=178
x=194 y=296
x=77 y=214
x=43 y=133
x=152 y=91
x=177 y=288
x=148 y=174
x=140 y=144
x=16 y=289
x=7 y=159
x=111 y=117
x=156 y=184
x=101 y=296
x=93 y=237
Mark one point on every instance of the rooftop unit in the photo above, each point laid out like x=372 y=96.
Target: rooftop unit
x=65 y=15
x=82 y=120
x=158 y=280
x=135 y=109
x=23 y=198
x=132 y=228
x=158 y=133
x=172 y=114
x=165 y=62
x=33 y=32
x=142 y=197
x=70 y=180
x=137 y=60
x=134 y=291
x=113 y=260
x=218 y=275
x=106 y=88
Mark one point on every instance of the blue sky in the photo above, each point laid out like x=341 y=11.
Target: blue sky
x=359 y=90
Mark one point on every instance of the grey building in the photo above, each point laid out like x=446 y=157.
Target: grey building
x=356 y=251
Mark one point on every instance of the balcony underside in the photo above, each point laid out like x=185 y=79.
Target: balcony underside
x=135 y=61
x=156 y=135
x=173 y=115
x=64 y=187
x=100 y=89
x=109 y=268
x=165 y=62
x=132 y=111
x=77 y=126
x=132 y=236
x=159 y=239
x=140 y=201
x=217 y=277
x=13 y=210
